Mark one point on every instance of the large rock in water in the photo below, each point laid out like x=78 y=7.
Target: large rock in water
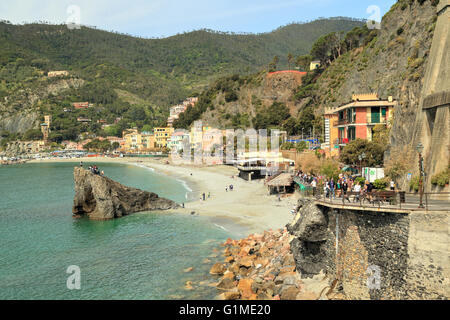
x=101 y=198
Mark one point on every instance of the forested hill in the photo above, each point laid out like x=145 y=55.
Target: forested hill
x=129 y=77
x=193 y=55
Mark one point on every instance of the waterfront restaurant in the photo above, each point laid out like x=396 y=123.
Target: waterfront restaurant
x=355 y=119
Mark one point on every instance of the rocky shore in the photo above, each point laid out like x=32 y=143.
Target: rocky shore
x=101 y=198
x=262 y=267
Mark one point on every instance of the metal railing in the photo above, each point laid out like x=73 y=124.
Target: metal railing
x=384 y=199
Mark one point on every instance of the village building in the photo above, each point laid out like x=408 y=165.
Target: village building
x=61 y=73
x=176 y=141
x=135 y=142
x=175 y=111
x=162 y=135
x=355 y=120
x=81 y=105
x=314 y=65
x=45 y=127
x=81 y=119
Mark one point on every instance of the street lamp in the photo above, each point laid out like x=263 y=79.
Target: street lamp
x=419 y=149
x=360 y=158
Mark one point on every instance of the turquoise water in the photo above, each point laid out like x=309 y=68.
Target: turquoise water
x=141 y=256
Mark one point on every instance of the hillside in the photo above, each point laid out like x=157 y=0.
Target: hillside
x=390 y=61
x=132 y=78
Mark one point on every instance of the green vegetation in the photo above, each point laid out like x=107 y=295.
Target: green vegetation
x=441 y=179
x=134 y=78
x=373 y=153
x=414 y=184
x=381 y=184
x=101 y=145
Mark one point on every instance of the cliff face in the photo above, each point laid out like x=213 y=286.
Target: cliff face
x=20 y=110
x=373 y=255
x=408 y=59
x=261 y=92
x=101 y=198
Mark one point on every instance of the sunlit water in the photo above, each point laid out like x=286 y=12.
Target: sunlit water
x=141 y=256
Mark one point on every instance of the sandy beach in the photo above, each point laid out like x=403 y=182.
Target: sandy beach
x=248 y=205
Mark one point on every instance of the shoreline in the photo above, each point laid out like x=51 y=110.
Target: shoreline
x=248 y=206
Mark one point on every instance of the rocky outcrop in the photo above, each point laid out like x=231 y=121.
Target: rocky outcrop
x=101 y=198
x=310 y=231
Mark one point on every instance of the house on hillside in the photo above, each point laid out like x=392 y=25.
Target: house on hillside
x=355 y=119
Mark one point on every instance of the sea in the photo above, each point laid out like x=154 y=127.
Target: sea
x=47 y=254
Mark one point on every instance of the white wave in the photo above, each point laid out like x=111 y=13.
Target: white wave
x=221 y=227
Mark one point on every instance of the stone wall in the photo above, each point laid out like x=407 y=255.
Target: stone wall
x=374 y=255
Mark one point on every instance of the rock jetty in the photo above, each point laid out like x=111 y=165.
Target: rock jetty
x=101 y=198
x=270 y=266
x=260 y=267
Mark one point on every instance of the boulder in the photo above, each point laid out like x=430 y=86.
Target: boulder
x=226 y=284
x=245 y=288
x=217 y=269
x=102 y=198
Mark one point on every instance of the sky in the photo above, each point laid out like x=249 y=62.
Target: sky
x=162 y=18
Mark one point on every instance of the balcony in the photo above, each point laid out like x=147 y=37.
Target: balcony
x=341 y=141
x=341 y=122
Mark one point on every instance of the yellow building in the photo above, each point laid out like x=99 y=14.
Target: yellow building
x=162 y=134
x=314 y=65
x=138 y=142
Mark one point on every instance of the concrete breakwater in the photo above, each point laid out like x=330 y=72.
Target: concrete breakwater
x=329 y=253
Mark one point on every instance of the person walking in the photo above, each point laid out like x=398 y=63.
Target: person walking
x=314 y=186
x=203 y=196
x=392 y=183
x=332 y=187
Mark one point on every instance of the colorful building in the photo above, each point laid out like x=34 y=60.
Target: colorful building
x=355 y=119
x=176 y=140
x=45 y=127
x=162 y=135
x=133 y=141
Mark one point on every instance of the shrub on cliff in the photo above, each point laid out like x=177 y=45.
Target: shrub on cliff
x=442 y=178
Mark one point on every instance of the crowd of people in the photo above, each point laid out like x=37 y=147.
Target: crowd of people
x=340 y=188
x=94 y=169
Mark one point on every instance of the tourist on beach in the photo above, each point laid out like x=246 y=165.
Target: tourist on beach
x=209 y=195
x=226 y=189
x=203 y=196
x=231 y=187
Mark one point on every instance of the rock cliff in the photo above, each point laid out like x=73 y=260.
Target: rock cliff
x=101 y=198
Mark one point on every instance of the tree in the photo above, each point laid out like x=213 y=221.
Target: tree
x=32 y=134
x=290 y=59
x=330 y=169
x=301 y=146
x=303 y=62
x=374 y=153
x=273 y=64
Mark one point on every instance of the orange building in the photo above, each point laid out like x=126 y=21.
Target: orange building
x=355 y=119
